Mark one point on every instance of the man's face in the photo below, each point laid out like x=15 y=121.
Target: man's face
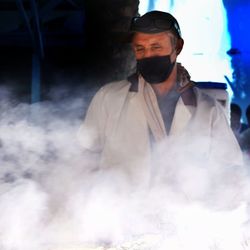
x=150 y=45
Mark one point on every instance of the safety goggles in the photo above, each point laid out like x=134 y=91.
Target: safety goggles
x=155 y=25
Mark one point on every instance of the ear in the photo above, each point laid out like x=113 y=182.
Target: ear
x=179 y=45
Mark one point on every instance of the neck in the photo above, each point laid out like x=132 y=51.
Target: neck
x=164 y=87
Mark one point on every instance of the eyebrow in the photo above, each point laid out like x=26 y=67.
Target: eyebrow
x=153 y=44
x=138 y=45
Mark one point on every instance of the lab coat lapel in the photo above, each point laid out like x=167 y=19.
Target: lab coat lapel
x=181 y=118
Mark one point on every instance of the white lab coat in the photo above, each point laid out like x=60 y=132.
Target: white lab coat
x=119 y=125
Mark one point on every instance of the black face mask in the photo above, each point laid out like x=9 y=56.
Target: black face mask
x=155 y=69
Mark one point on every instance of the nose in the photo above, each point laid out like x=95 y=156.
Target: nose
x=148 y=53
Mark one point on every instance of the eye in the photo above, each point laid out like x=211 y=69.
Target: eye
x=155 y=47
x=139 y=49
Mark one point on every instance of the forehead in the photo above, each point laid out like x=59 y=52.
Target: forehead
x=147 y=39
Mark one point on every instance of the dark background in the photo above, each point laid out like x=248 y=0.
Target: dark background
x=76 y=43
x=84 y=43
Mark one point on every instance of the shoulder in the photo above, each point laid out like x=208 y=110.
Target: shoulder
x=114 y=88
x=204 y=100
x=209 y=105
x=215 y=96
x=111 y=93
x=210 y=99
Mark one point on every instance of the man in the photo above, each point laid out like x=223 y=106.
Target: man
x=245 y=135
x=235 y=119
x=127 y=119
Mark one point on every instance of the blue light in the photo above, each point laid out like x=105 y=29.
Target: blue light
x=206 y=42
x=213 y=31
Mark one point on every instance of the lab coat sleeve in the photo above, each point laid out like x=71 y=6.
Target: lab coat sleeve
x=91 y=132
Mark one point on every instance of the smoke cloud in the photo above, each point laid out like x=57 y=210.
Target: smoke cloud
x=52 y=197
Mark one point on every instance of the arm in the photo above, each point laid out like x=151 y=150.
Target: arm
x=91 y=132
